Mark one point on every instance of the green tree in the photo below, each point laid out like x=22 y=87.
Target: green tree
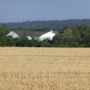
x=22 y=41
x=4 y=29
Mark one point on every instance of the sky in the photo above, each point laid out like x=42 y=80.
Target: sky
x=33 y=10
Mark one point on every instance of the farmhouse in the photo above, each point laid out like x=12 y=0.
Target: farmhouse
x=13 y=34
x=49 y=35
x=37 y=35
x=29 y=37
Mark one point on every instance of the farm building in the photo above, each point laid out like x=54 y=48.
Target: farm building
x=49 y=35
x=13 y=34
x=29 y=37
x=37 y=35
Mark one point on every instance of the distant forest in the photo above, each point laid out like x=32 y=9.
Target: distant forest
x=54 y=24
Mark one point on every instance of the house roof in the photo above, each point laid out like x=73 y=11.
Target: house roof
x=49 y=35
x=31 y=33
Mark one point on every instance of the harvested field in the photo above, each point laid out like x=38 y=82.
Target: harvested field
x=44 y=68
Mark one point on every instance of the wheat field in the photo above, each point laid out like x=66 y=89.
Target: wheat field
x=44 y=68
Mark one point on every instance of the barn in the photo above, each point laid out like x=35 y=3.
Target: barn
x=37 y=35
x=13 y=34
x=49 y=35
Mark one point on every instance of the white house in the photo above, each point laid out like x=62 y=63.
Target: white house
x=43 y=35
x=29 y=37
x=15 y=35
x=12 y=34
x=49 y=35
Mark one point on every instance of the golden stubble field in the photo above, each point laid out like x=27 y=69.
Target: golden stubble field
x=44 y=68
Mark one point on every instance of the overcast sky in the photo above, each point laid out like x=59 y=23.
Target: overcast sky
x=24 y=10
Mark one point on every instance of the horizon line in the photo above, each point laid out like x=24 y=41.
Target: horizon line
x=43 y=20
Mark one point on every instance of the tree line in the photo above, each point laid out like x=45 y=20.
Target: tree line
x=78 y=36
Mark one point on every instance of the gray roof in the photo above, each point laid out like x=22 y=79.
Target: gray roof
x=31 y=33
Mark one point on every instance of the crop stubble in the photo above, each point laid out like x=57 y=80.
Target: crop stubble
x=44 y=68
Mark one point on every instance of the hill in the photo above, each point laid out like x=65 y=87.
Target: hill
x=54 y=24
